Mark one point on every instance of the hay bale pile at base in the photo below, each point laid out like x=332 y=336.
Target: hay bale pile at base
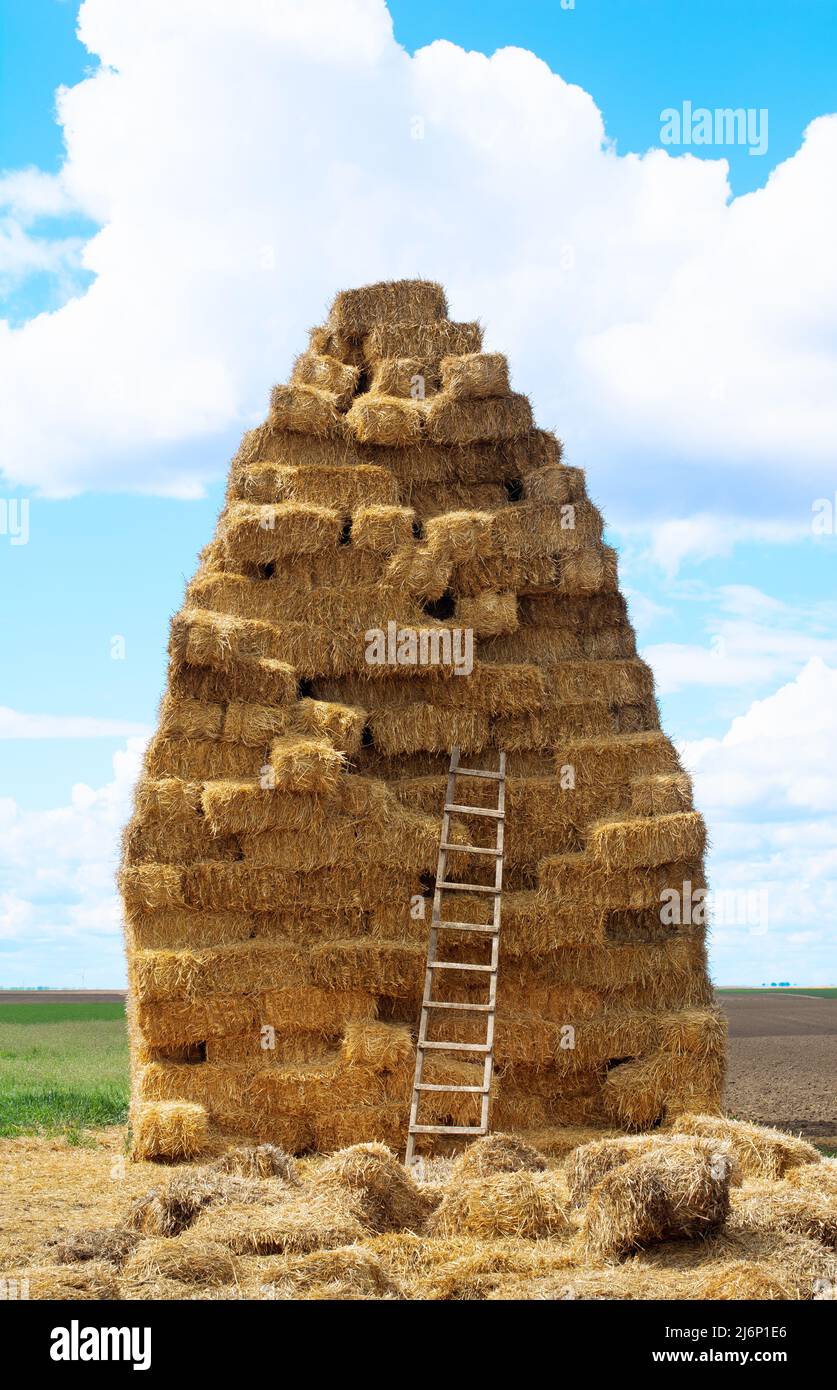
x=667 y=1215
x=285 y=830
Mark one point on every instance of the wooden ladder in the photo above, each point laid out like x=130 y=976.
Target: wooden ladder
x=435 y=966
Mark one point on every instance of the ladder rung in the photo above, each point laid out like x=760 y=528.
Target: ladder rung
x=453 y=1047
x=474 y=772
x=468 y=926
x=471 y=1090
x=459 y=965
x=475 y=1008
x=446 y=1129
x=467 y=887
x=474 y=810
x=472 y=849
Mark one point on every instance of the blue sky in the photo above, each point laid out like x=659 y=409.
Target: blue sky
x=133 y=265
x=639 y=58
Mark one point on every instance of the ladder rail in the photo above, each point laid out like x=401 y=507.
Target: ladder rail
x=431 y=953
x=436 y=970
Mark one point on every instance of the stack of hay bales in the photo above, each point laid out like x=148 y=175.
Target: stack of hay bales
x=285 y=829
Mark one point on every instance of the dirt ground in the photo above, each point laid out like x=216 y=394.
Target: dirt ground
x=49 y=1188
x=783 y=1062
x=776 y=1241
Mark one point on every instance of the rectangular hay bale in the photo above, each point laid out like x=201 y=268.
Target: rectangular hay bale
x=354 y=312
x=383 y=529
x=305 y=410
x=388 y=420
x=475 y=376
x=327 y=374
x=449 y=420
x=342 y=485
x=257 y=533
x=426 y=340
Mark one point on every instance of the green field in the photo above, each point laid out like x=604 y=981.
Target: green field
x=819 y=992
x=63 y=1068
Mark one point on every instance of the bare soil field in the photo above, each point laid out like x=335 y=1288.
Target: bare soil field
x=783 y=1062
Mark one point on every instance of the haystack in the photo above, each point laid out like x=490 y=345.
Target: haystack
x=263 y=1161
x=90 y=1280
x=759 y=1152
x=189 y=1260
x=745 y=1279
x=349 y=1273
x=783 y=1206
x=105 y=1244
x=590 y=1163
x=316 y=1219
x=497 y=1153
x=665 y=1192
x=278 y=868
x=530 y=1206
x=389 y=1198
x=173 y=1207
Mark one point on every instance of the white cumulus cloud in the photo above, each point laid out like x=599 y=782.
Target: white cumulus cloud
x=244 y=160
x=705 y=536
x=16 y=724
x=753 y=640
x=769 y=797
x=60 y=914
